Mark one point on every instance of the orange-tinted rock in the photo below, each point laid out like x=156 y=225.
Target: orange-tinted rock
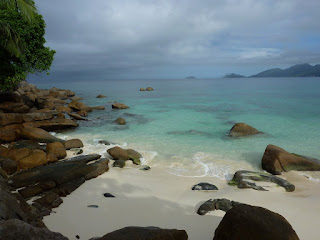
x=38 y=134
x=35 y=158
x=73 y=143
x=8 y=136
x=119 y=106
x=10 y=118
x=242 y=129
x=57 y=149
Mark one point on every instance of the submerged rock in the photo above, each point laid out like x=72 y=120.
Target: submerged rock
x=145 y=233
x=276 y=160
x=120 y=121
x=242 y=129
x=105 y=142
x=203 y=186
x=244 y=179
x=251 y=223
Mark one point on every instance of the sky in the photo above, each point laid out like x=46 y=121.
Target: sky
x=132 y=39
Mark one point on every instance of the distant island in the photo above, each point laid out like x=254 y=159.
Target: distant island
x=299 y=70
x=191 y=77
x=233 y=75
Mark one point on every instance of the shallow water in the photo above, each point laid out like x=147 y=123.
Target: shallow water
x=183 y=124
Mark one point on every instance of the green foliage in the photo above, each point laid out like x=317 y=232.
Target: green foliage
x=33 y=57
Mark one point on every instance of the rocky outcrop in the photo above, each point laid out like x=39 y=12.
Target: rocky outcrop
x=10 y=118
x=118 y=153
x=10 y=107
x=35 y=158
x=242 y=129
x=119 y=106
x=247 y=179
x=64 y=109
x=57 y=180
x=203 y=186
x=17 y=229
x=251 y=223
x=145 y=233
x=13 y=206
x=120 y=121
x=52 y=125
x=39 y=135
x=276 y=160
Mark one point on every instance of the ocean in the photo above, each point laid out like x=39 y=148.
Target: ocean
x=183 y=124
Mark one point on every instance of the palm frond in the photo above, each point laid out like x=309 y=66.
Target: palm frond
x=25 y=7
x=10 y=39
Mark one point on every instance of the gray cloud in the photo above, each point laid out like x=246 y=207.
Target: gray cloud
x=175 y=38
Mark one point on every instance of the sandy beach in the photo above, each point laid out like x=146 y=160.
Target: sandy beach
x=157 y=198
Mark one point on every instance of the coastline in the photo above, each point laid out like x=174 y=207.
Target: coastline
x=158 y=198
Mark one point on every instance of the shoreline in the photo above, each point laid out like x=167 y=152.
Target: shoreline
x=157 y=198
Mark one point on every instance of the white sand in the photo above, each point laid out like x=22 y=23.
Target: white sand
x=157 y=198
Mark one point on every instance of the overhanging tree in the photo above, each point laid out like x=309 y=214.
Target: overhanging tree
x=26 y=55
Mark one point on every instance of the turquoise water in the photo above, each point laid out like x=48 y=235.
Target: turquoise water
x=183 y=124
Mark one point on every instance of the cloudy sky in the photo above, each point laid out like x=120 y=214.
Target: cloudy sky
x=105 y=39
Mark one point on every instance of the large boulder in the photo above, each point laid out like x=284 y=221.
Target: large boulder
x=276 y=160
x=8 y=165
x=252 y=223
x=73 y=143
x=10 y=107
x=59 y=172
x=242 y=129
x=118 y=153
x=19 y=230
x=119 y=106
x=8 y=136
x=57 y=148
x=39 y=135
x=35 y=158
x=37 y=116
x=145 y=233
x=10 y=118
x=247 y=179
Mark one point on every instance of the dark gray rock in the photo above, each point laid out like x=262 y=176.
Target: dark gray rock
x=119 y=163
x=216 y=204
x=243 y=179
x=92 y=206
x=203 y=186
x=108 y=195
x=105 y=142
x=251 y=223
x=15 y=229
x=145 y=168
x=145 y=233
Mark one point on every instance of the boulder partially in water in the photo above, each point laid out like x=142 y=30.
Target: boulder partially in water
x=118 y=153
x=242 y=129
x=119 y=106
x=120 y=121
x=276 y=160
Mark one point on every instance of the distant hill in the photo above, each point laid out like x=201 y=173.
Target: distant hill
x=233 y=75
x=299 y=70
